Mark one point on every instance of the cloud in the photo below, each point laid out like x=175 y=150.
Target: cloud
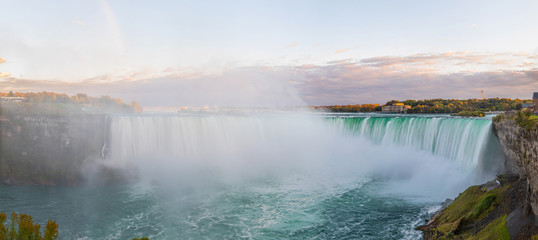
x=341 y=61
x=348 y=84
x=341 y=50
x=344 y=50
x=247 y=87
x=450 y=62
x=78 y=22
x=4 y=74
x=348 y=81
x=533 y=74
x=292 y=45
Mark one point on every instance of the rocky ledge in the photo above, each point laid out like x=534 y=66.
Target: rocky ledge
x=494 y=210
x=520 y=146
x=505 y=208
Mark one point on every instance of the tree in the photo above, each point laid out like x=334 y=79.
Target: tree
x=136 y=107
x=410 y=102
x=23 y=227
x=11 y=94
x=392 y=102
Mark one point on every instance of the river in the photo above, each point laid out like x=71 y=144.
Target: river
x=271 y=176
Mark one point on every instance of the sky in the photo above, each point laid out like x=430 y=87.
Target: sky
x=241 y=53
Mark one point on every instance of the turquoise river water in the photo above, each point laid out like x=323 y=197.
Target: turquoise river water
x=271 y=176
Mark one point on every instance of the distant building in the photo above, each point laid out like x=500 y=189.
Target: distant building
x=13 y=99
x=395 y=108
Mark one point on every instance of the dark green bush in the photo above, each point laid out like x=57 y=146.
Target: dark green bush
x=525 y=119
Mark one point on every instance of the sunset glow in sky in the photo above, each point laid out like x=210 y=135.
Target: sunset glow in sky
x=270 y=52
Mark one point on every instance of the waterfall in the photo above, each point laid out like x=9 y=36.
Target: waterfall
x=469 y=142
x=258 y=142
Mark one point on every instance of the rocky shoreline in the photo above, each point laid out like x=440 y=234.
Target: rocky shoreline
x=504 y=208
x=487 y=211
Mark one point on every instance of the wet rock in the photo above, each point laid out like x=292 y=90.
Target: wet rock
x=520 y=147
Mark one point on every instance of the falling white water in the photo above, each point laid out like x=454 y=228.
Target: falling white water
x=231 y=147
x=467 y=142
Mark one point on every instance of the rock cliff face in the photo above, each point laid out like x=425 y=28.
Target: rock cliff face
x=520 y=147
x=49 y=149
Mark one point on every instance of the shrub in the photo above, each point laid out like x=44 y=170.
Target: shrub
x=525 y=119
x=466 y=113
x=498 y=117
x=23 y=227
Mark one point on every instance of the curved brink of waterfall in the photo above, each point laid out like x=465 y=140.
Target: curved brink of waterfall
x=260 y=143
x=469 y=142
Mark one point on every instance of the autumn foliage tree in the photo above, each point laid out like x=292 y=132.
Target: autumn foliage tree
x=438 y=105
x=23 y=228
x=105 y=103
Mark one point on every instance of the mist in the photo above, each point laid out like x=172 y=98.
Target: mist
x=208 y=151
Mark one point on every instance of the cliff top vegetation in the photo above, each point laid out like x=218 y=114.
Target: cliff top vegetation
x=523 y=118
x=466 y=113
x=438 y=105
x=58 y=103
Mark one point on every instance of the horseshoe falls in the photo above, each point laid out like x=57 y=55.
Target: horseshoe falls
x=467 y=142
x=273 y=176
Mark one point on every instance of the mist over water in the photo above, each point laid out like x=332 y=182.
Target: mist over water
x=231 y=149
x=266 y=175
x=468 y=143
x=286 y=175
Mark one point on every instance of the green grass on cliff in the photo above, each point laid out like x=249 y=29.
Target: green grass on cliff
x=485 y=203
x=470 y=207
x=523 y=118
x=526 y=120
x=495 y=230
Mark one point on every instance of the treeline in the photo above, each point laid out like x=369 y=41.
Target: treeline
x=438 y=105
x=351 y=108
x=466 y=113
x=457 y=105
x=104 y=103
